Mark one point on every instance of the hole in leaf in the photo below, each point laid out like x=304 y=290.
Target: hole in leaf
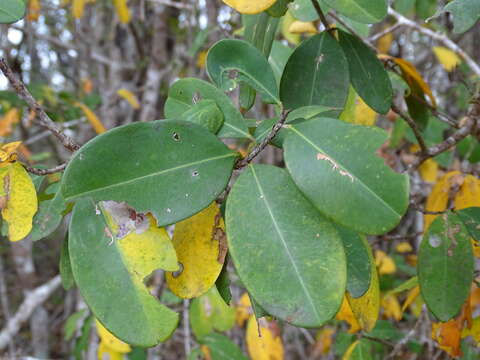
x=175 y=136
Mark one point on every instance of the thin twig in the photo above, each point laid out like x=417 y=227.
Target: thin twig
x=29 y=304
x=320 y=14
x=384 y=32
x=42 y=172
x=437 y=36
x=43 y=119
x=258 y=149
x=413 y=126
x=186 y=328
x=381 y=341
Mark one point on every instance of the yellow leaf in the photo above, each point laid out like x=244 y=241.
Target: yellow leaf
x=323 y=343
x=201 y=59
x=429 y=170
x=403 y=247
x=391 y=307
x=349 y=351
x=367 y=307
x=364 y=114
x=346 y=314
x=130 y=97
x=249 y=6
x=413 y=77
x=267 y=347
x=34 y=10
x=201 y=247
x=92 y=118
x=104 y=353
x=476 y=248
x=243 y=310
x=122 y=10
x=18 y=200
x=446 y=57
x=384 y=43
x=448 y=335
x=8 y=152
x=302 y=27
x=11 y=117
x=78 y=6
x=469 y=193
x=474 y=332
x=384 y=263
x=287 y=20
x=109 y=340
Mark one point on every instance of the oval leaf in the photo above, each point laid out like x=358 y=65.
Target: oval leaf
x=276 y=236
x=201 y=247
x=185 y=93
x=110 y=274
x=363 y=11
x=316 y=74
x=445 y=266
x=11 y=11
x=335 y=166
x=250 y=6
x=232 y=61
x=170 y=168
x=367 y=74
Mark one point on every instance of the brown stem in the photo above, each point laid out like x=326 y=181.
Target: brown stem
x=413 y=126
x=41 y=172
x=43 y=119
x=321 y=15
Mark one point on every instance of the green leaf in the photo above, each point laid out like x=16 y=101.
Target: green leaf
x=223 y=284
x=358 y=261
x=465 y=14
x=110 y=275
x=222 y=348
x=277 y=237
x=407 y=285
x=71 y=324
x=316 y=74
x=185 y=93
x=303 y=10
x=363 y=11
x=209 y=312
x=49 y=214
x=230 y=62
x=11 y=11
x=367 y=74
x=278 y=58
x=205 y=113
x=65 y=267
x=334 y=164
x=279 y=8
x=171 y=168
x=445 y=266
x=471 y=219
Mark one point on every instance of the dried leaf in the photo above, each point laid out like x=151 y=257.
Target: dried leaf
x=448 y=58
x=130 y=97
x=249 y=6
x=264 y=341
x=448 y=336
x=11 y=117
x=92 y=118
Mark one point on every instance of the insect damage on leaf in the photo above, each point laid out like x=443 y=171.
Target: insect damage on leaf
x=335 y=166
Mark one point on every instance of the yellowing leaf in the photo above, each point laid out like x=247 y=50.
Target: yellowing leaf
x=364 y=114
x=8 y=152
x=249 y=6
x=78 y=6
x=448 y=335
x=384 y=263
x=10 y=118
x=350 y=349
x=130 y=97
x=269 y=345
x=412 y=295
x=474 y=332
x=201 y=247
x=446 y=57
x=429 y=170
x=412 y=76
x=33 y=10
x=469 y=193
x=287 y=20
x=367 y=307
x=323 y=343
x=122 y=10
x=346 y=314
x=243 y=310
x=104 y=351
x=384 y=43
x=391 y=307
x=403 y=247
x=302 y=27
x=92 y=118
x=18 y=200
x=110 y=341
x=201 y=59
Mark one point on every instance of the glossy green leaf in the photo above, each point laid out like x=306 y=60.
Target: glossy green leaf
x=445 y=266
x=209 y=312
x=111 y=278
x=49 y=214
x=171 y=168
x=316 y=74
x=11 y=11
x=358 y=261
x=277 y=237
x=222 y=348
x=223 y=284
x=205 y=113
x=185 y=93
x=303 y=10
x=465 y=14
x=279 y=8
x=65 y=267
x=334 y=164
x=367 y=74
x=230 y=62
x=278 y=58
x=471 y=219
x=363 y=11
